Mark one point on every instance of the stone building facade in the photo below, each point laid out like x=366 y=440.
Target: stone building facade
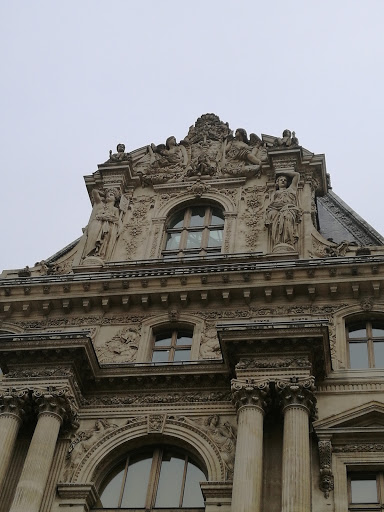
x=214 y=339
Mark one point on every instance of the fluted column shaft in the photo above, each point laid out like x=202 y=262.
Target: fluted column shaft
x=248 y=472
x=298 y=404
x=34 y=476
x=54 y=407
x=12 y=402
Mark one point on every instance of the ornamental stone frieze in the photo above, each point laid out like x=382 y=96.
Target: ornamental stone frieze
x=250 y=392
x=297 y=392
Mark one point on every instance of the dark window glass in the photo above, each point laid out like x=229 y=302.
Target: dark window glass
x=363 y=490
x=366 y=345
x=161 y=478
x=172 y=346
x=197 y=230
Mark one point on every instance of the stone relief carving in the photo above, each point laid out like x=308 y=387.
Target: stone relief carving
x=159 y=398
x=82 y=442
x=252 y=218
x=210 y=347
x=283 y=216
x=105 y=224
x=156 y=423
x=272 y=362
x=360 y=447
x=121 y=348
x=222 y=435
x=134 y=229
x=326 y=475
x=242 y=155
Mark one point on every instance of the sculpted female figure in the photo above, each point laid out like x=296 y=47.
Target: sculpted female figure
x=169 y=155
x=104 y=225
x=283 y=214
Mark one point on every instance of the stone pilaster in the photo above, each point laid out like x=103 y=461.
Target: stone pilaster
x=249 y=398
x=54 y=406
x=298 y=405
x=13 y=403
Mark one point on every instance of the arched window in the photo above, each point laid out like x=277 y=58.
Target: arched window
x=160 y=477
x=366 y=344
x=195 y=231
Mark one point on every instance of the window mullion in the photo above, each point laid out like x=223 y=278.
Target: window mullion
x=183 y=482
x=153 y=479
x=123 y=482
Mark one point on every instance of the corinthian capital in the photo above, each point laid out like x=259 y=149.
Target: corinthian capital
x=57 y=401
x=297 y=392
x=14 y=402
x=247 y=392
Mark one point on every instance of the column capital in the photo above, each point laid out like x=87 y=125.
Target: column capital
x=249 y=393
x=56 y=401
x=297 y=392
x=14 y=401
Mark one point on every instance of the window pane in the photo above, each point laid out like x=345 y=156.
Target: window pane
x=182 y=355
x=171 y=477
x=136 y=485
x=110 y=495
x=364 y=491
x=173 y=241
x=197 y=216
x=358 y=355
x=163 y=340
x=184 y=338
x=177 y=220
x=377 y=330
x=193 y=496
x=194 y=239
x=356 y=331
x=217 y=217
x=215 y=238
x=160 y=356
x=379 y=354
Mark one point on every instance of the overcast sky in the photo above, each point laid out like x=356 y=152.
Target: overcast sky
x=79 y=76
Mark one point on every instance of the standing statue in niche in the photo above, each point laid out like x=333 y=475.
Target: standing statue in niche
x=104 y=225
x=283 y=215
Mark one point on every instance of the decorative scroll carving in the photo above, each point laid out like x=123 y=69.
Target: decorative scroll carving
x=326 y=475
x=251 y=218
x=134 y=231
x=222 y=436
x=121 y=348
x=249 y=392
x=295 y=391
x=283 y=215
x=361 y=447
x=56 y=401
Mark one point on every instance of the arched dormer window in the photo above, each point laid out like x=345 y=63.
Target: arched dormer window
x=194 y=231
x=365 y=340
x=155 y=478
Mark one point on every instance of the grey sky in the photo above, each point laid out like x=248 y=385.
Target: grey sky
x=80 y=76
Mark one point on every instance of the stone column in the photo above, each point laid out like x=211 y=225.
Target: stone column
x=54 y=406
x=249 y=398
x=298 y=404
x=12 y=409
